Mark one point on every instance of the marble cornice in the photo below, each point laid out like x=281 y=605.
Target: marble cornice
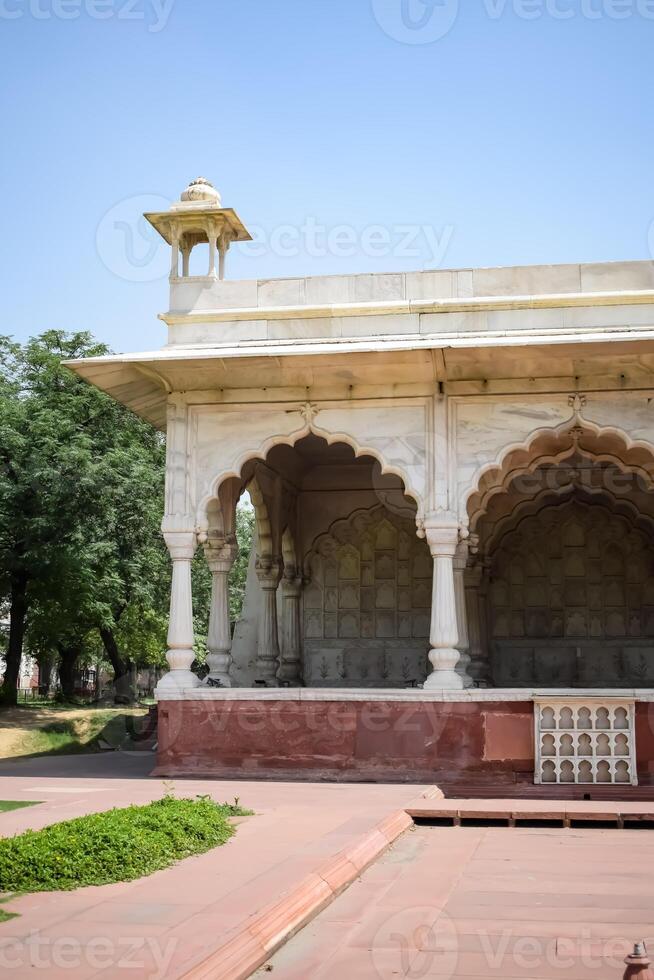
x=635 y=297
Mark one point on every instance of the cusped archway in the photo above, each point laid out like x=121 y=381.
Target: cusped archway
x=563 y=531
x=350 y=620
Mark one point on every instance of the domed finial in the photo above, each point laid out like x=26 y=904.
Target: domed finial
x=201 y=191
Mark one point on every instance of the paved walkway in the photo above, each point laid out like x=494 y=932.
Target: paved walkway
x=162 y=925
x=482 y=902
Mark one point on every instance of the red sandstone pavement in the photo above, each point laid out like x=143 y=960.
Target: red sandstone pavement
x=480 y=903
x=569 y=892
x=163 y=925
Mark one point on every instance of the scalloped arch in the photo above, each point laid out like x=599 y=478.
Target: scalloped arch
x=544 y=447
x=262 y=517
x=550 y=499
x=331 y=438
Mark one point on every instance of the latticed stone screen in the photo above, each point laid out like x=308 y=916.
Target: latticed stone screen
x=585 y=741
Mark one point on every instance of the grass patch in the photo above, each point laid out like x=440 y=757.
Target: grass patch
x=117 y=845
x=67 y=736
x=66 y=730
x=16 y=804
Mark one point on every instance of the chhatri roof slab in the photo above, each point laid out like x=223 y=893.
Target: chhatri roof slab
x=471 y=330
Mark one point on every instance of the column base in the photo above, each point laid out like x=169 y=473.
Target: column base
x=443 y=680
x=289 y=674
x=462 y=670
x=261 y=678
x=178 y=680
x=444 y=676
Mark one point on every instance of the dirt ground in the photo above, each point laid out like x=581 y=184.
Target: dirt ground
x=21 y=728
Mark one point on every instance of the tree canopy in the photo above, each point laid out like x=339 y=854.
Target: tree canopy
x=81 y=498
x=84 y=571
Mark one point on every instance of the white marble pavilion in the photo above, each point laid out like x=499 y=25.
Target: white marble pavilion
x=452 y=474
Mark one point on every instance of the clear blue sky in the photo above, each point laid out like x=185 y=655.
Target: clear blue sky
x=512 y=138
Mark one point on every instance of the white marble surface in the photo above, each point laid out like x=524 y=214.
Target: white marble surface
x=415 y=695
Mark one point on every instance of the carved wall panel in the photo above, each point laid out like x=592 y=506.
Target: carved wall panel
x=571 y=600
x=367 y=606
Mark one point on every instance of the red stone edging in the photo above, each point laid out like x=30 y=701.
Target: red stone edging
x=265 y=932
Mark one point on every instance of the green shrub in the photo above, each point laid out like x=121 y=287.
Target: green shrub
x=117 y=845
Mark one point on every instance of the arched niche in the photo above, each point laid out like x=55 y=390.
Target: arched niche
x=367 y=603
x=571 y=599
x=563 y=530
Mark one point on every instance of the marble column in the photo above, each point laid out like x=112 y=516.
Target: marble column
x=219 y=642
x=290 y=668
x=223 y=246
x=181 y=546
x=212 y=257
x=479 y=668
x=174 y=258
x=269 y=573
x=463 y=642
x=442 y=533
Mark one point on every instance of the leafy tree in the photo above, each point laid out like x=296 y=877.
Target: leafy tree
x=81 y=496
x=239 y=573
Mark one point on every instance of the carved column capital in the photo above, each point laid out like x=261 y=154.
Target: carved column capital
x=220 y=556
x=292 y=586
x=461 y=556
x=269 y=571
x=181 y=545
x=442 y=533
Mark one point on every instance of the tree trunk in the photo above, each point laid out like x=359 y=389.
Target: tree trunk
x=124 y=670
x=17 y=619
x=45 y=675
x=68 y=657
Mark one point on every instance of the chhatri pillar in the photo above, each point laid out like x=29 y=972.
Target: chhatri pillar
x=442 y=533
x=219 y=642
x=269 y=573
x=290 y=668
x=181 y=546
